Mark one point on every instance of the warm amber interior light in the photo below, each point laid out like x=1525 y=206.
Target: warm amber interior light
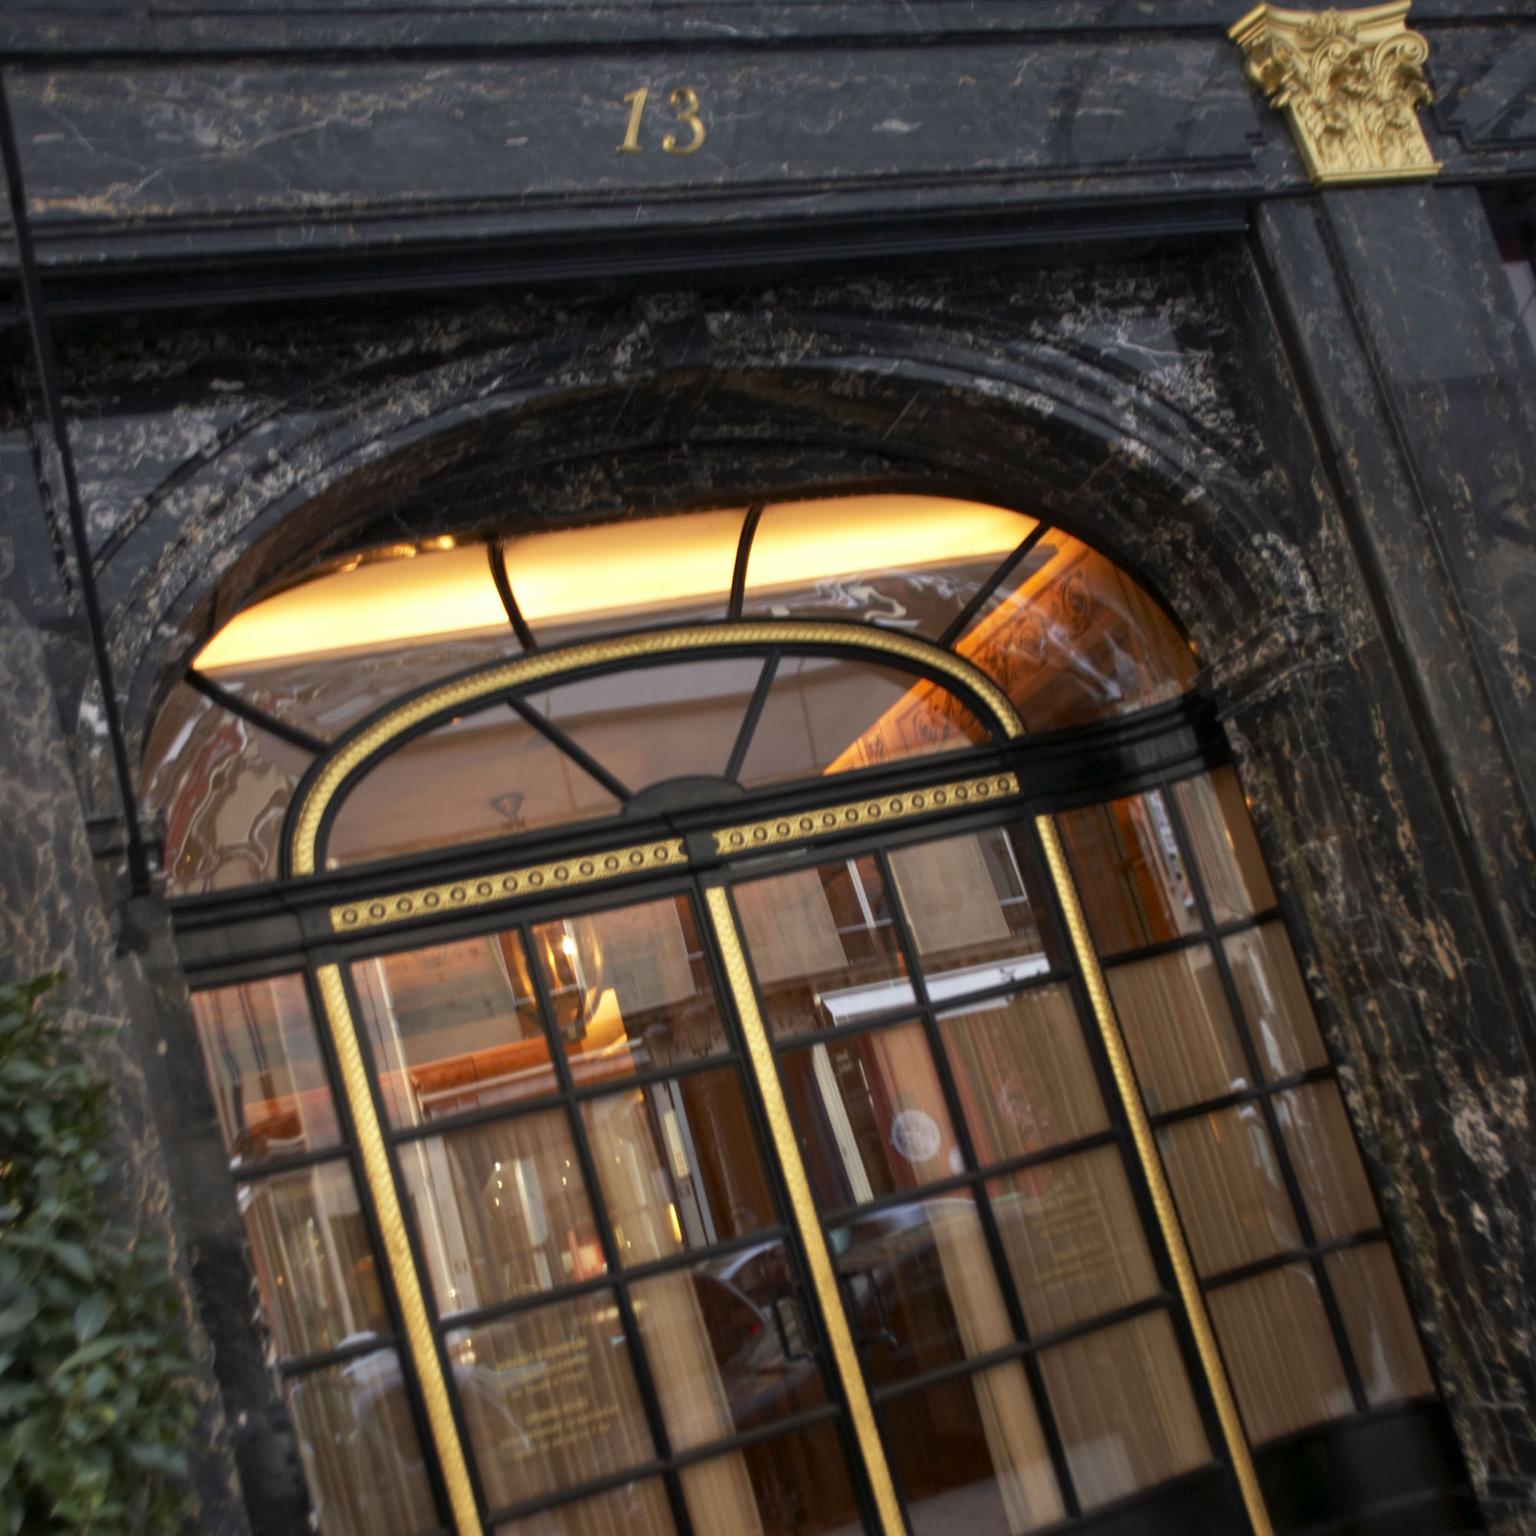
x=575 y=572
x=810 y=540
x=379 y=602
x=619 y=568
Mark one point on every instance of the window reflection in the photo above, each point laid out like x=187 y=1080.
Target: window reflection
x=975 y=912
x=453 y=1028
x=824 y=946
x=263 y=1062
x=869 y=1115
x=796 y=1485
x=630 y=989
x=361 y=1453
x=678 y=1165
x=313 y=1259
x=501 y=1211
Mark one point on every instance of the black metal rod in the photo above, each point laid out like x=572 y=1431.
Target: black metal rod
x=572 y=749
x=754 y=713
x=743 y=554
x=221 y=696
x=53 y=409
x=962 y=620
x=503 y=584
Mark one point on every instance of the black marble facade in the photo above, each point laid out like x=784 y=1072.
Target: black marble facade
x=323 y=275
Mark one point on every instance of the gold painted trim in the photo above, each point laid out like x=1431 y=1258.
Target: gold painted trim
x=528 y=880
x=807 y=1222
x=397 y=1254
x=1349 y=83
x=304 y=850
x=1157 y=1181
x=825 y=820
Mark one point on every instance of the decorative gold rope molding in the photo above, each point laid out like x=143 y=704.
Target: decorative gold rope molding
x=803 y=1206
x=1157 y=1182
x=827 y=819
x=1350 y=82
x=528 y=880
x=397 y=1253
x=541 y=665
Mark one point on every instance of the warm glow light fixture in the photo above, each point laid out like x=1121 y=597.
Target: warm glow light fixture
x=576 y=574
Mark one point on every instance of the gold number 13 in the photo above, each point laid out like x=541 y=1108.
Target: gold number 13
x=685 y=104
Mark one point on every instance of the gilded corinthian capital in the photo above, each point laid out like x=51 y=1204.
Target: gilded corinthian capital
x=1351 y=83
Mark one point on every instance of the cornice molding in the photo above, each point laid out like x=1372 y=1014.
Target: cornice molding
x=1350 y=82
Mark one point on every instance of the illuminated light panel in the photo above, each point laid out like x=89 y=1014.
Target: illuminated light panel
x=382 y=602
x=627 y=567
x=621 y=568
x=799 y=542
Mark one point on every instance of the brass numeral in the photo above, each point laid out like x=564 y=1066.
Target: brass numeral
x=684 y=102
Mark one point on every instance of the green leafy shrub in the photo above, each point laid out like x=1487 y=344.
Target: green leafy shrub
x=94 y=1415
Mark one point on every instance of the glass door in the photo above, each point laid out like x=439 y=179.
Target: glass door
x=619 y=1299
x=995 y=1253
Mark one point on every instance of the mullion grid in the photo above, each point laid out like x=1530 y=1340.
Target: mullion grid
x=973 y=1179
x=617 y=1278
x=1312 y=1250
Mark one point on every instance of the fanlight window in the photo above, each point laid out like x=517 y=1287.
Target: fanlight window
x=1067 y=635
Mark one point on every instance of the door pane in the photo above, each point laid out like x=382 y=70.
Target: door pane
x=361 y=1453
x=1327 y=1163
x=1274 y=1001
x=969 y=1457
x=549 y=1398
x=1380 y=1327
x=1236 y=882
x=649 y=724
x=869 y=1115
x=919 y=1287
x=501 y=1211
x=313 y=1258
x=630 y=989
x=1279 y=1352
x=1130 y=873
x=1073 y=1237
x=453 y=1028
x=263 y=1061
x=1179 y=1028
x=1229 y=1189
x=823 y=946
x=796 y=1485
x=1124 y=1408
x=1023 y=1073
x=975 y=910
x=678 y=1164
x=724 y=1361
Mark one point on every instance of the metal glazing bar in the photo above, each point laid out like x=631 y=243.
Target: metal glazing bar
x=743 y=554
x=803 y=1210
x=374 y=1157
x=503 y=585
x=753 y=715
x=215 y=694
x=562 y=742
x=962 y=620
x=1157 y=1182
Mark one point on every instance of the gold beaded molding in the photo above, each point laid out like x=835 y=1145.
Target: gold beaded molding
x=397 y=1253
x=541 y=665
x=747 y=835
x=1350 y=82
x=531 y=879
